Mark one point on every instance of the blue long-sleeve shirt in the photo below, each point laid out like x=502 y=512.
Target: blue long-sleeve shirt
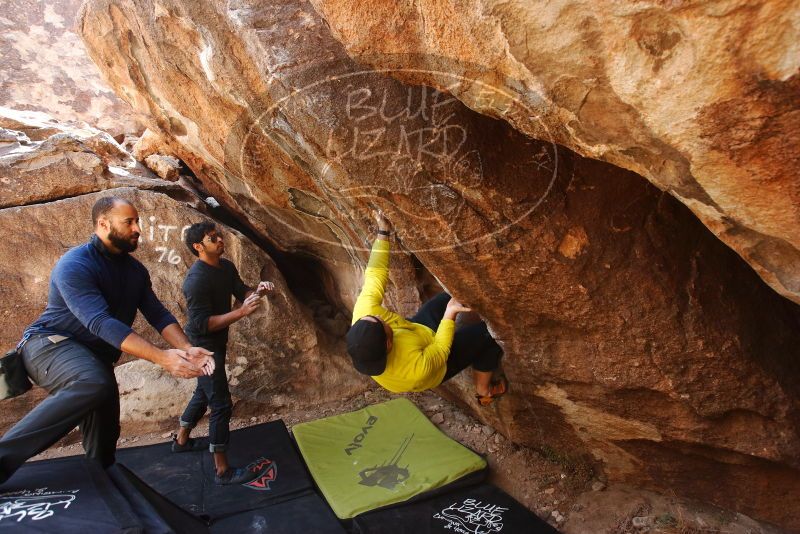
x=93 y=299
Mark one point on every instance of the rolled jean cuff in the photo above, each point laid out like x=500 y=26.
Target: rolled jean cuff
x=217 y=447
x=184 y=424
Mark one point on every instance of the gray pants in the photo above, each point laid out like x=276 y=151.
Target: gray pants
x=83 y=391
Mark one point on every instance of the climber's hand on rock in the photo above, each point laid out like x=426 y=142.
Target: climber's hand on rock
x=381 y=220
x=250 y=304
x=454 y=307
x=264 y=288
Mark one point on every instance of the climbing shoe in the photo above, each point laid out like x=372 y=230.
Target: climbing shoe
x=497 y=389
x=190 y=445
x=235 y=475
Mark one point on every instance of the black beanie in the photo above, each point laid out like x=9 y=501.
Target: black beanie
x=366 y=345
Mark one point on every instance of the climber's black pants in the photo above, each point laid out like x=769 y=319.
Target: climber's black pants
x=472 y=344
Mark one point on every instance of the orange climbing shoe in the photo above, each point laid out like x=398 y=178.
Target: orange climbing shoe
x=497 y=390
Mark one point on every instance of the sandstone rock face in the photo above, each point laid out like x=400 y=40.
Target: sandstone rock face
x=147 y=145
x=702 y=100
x=41 y=159
x=262 y=366
x=44 y=67
x=633 y=336
x=166 y=167
x=149 y=397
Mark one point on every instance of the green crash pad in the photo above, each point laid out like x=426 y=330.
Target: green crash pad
x=380 y=455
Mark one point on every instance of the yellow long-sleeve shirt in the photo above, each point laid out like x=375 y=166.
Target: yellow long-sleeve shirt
x=418 y=359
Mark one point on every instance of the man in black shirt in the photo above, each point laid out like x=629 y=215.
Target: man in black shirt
x=208 y=287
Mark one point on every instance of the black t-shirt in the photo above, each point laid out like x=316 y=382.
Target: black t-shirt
x=208 y=292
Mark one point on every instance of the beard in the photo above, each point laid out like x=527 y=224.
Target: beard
x=125 y=244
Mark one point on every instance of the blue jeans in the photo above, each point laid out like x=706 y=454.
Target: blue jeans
x=212 y=392
x=83 y=392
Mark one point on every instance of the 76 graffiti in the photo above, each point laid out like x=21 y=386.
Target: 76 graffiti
x=153 y=231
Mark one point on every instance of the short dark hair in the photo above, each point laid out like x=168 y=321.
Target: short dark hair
x=104 y=205
x=196 y=232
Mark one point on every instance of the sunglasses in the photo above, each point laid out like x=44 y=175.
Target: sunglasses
x=214 y=238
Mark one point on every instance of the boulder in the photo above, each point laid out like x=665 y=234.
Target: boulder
x=150 y=399
x=166 y=167
x=635 y=340
x=41 y=159
x=703 y=101
x=127 y=142
x=44 y=67
x=148 y=144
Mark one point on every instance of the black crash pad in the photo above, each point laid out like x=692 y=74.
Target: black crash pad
x=155 y=512
x=482 y=509
x=187 y=478
x=76 y=496
x=307 y=514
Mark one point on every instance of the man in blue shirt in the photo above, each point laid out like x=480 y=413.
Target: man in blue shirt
x=70 y=350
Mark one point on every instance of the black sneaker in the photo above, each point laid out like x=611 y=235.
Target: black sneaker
x=234 y=475
x=186 y=447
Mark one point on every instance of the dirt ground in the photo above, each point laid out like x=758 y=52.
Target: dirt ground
x=568 y=497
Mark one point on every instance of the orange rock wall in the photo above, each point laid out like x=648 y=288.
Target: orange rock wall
x=634 y=338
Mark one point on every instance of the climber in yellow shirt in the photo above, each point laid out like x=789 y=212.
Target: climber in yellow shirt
x=422 y=352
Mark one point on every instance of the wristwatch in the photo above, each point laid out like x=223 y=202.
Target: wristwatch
x=387 y=233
